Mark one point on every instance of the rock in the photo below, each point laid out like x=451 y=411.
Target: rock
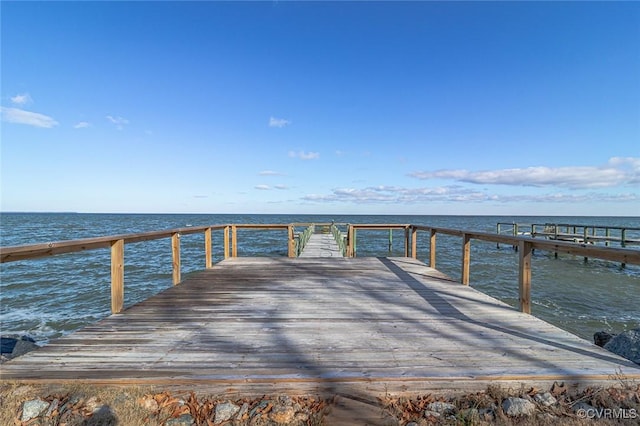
x=52 y=407
x=601 y=338
x=243 y=410
x=22 y=347
x=282 y=414
x=14 y=346
x=429 y=413
x=7 y=344
x=92 y=405
x=441 y=407
x=626 y=344
x=258 y=408
x=150 y=405
x=225 y=411
x=545 y=399
x=183 y=420
x=582 y=406
x=518 y=407
x=32 y=409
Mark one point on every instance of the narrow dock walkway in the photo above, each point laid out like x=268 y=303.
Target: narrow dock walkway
x=321 y=245
x=354 y=326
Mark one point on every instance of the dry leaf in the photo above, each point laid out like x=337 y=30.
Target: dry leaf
x=558 y=389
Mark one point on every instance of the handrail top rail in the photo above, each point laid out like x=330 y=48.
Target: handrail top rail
x=15 y=253
x=628 y=228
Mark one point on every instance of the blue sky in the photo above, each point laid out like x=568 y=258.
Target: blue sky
x=335 y=107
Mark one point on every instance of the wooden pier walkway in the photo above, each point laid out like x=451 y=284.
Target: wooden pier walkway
x=321 y=245
x=356 y=326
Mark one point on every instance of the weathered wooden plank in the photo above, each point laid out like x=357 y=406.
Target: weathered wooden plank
x=364 y=325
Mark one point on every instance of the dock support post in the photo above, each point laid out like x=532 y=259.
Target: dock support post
x=524 y=276
x=207 y=248
x=291 y=241
x=175 y=254
x=414 y=242
x=432 y=248
x=350 y=240
x=390 y=240
x=466 y=258
x=117 y=276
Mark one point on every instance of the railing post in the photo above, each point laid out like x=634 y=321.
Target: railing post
x=292 y=241
x=234 y=241
x=117 y=276
x=355 y=244
x=207 y=248
x=407 y=242
x=226 y=242
x=175 y=254
x=414 y=242
x=524 y=276
x=350 y=235
x=466 y=258
x=432 y=248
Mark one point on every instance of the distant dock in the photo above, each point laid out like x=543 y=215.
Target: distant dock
x=575 y=233
x=318 y=323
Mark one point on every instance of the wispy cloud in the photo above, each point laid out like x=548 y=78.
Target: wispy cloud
x=304 y=155
x=270 y=173
x=281 y=187
x=454 y=193
x=118 y=121
x=20 y=116
x=21 y=99
x=617 y=171
x=82 y=125
x=262 y=187
x=278 y=122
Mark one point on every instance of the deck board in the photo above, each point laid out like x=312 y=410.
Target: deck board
x=344 y=325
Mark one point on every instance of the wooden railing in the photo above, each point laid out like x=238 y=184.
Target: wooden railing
x=574 y=232
x=116 y=244
x=525 y=245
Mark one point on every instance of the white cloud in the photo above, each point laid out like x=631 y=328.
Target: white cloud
x=20 y=116
x=21 y=99
x=81 y=125
x=262 y=187
x=118 y=121
x=270 y=173
x=278 y=122
x=304 y=155
x=617 y=171
x=281 y=187
x=455 y=193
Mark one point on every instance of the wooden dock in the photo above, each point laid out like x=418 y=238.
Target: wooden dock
x=321 y=245
x=354 y=326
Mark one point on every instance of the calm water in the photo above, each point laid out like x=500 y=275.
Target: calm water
x=49 y=297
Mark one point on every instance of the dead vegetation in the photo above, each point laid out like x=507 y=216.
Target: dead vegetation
x=81 y=404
